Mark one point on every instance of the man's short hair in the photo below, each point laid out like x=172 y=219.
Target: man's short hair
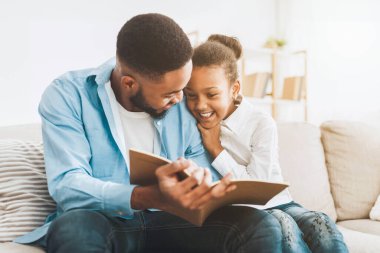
x=153 y=44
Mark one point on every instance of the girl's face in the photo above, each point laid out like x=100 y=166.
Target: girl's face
x=210 y=97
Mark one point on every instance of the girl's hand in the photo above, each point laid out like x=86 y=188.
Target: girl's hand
x=211 y=139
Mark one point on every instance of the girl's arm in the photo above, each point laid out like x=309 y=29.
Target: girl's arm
x=262 y=154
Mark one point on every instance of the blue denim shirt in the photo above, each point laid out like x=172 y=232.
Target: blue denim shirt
x=85 y=165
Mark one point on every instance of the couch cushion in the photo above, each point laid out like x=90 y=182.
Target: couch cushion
x=358 y=242
x=375 y=211
x=27 y=132
x=10 y=247
x=303 y=166
x=24 y=199
x=362 y=225
x=352 y=151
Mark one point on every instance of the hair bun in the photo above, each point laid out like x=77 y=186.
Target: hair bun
x=230 y=42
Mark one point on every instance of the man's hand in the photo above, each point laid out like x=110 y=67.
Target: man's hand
x=193 y=192
x=211 y=139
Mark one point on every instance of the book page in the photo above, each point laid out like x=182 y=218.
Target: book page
x=254 y=192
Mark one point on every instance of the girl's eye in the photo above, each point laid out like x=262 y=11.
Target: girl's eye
x=212 y=95
x=191 y=96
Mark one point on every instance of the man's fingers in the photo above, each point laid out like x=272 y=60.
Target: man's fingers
x=208 y=178
x=201 y=201
x=198 y=174
x=187 y=184
x=193 y=191
x=196 y=179
x=223 y=187
x=231 y=188
x=219 y=190
x=201 y=194
x=172 y=168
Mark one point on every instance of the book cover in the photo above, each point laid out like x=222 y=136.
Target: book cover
x=254 y=192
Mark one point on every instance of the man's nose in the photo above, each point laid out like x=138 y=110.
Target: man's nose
x=177 y=98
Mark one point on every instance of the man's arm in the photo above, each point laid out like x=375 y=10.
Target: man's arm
x=67 y=157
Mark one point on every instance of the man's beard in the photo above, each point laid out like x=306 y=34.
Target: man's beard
x=139 y=101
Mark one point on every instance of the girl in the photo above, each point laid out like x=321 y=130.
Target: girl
x=243 y=142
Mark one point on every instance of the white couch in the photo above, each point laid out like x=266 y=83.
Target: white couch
x=338 y=174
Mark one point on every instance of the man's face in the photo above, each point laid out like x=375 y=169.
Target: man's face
x=139 y=101
x=155 y=98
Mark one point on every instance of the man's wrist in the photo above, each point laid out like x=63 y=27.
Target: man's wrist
x=145 y=197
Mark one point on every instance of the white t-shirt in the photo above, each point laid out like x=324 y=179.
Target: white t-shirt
x=250 y=143
x=133 y=129
x=138 y=130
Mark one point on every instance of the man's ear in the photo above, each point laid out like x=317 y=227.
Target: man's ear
x=129 y=83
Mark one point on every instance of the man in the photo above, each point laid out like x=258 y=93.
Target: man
x=90 y=118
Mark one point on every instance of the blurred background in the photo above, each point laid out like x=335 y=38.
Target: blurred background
x=42 y=39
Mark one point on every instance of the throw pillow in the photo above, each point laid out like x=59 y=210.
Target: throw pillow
x=303 y=166
x=24 y=198
x=352 y=151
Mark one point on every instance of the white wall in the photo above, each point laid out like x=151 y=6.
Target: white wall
x=342 y=38
x=43 y=39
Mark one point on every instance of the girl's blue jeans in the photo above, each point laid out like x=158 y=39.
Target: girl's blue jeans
x=307 y=231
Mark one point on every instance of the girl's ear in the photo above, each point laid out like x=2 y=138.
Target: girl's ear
x=235 y=88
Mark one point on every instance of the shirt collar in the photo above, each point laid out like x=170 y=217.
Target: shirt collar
x=237 y=120
x=102 y=73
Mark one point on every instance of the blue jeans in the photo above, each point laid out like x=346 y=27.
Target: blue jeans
x=229 y=229
x=307 y=231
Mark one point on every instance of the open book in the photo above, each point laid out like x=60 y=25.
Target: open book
x=255 y=192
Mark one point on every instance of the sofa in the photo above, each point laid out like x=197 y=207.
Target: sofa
x=334 y=168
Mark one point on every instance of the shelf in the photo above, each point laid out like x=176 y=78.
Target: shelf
x=251 y=53
x=286 y=110
x=269 y=100
x=293 y=86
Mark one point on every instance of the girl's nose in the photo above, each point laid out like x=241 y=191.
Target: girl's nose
x=201 y=105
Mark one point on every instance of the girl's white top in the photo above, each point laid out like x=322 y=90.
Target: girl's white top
x=250 y=143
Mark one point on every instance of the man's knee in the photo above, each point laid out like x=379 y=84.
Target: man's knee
x=270 y=224
x=244 y=219
x=78 y=225
x=265 y=232
x=243 y=216
x=289 y=227
x=247 y=229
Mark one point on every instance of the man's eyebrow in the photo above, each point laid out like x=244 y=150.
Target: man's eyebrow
x=172 y=92
x=208 y=88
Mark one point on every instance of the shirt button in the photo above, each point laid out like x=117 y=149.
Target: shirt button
x=158 y=123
